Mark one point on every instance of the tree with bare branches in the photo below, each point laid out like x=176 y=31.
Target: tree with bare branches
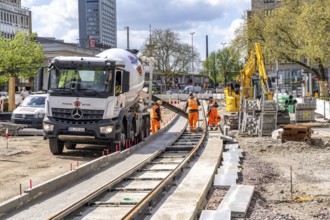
x=172 y=57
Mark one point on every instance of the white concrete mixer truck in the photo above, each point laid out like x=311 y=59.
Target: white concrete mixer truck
x=94 y=100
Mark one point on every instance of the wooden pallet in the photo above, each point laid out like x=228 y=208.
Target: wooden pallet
x=296 y=133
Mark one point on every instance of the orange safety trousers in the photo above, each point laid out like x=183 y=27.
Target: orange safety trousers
x=155 y=125
x=193 y=117
x=214 y=118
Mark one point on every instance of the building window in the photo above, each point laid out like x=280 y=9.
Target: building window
x=268 y=12
x=268 y=1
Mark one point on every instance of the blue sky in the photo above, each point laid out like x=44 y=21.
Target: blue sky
x=216 y=18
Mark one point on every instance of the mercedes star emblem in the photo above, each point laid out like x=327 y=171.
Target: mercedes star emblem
x=77 y=113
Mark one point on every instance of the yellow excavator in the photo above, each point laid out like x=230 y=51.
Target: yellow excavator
x=255 y=64
x=251 y=84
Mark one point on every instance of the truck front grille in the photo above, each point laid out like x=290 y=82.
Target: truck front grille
x=63 y=115
x=23 y=116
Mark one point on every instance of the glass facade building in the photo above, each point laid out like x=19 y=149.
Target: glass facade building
x=14 y=18
x=97 y=23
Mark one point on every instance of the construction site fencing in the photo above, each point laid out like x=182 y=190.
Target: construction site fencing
x=323 y=108
x=184 y=97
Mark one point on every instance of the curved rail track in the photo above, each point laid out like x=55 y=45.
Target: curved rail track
x=131 y=197
x=130 y=193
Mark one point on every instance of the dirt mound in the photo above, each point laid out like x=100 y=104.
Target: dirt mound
x=273 y=146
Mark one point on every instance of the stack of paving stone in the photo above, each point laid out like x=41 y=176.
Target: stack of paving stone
x=305 y=111
x=238 y=198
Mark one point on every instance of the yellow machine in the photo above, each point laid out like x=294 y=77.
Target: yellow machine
x=254 y=66
x=232 y=99
x=254 y=63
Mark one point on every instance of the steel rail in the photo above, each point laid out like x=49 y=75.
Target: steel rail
x=73 y=207
x=144 y=203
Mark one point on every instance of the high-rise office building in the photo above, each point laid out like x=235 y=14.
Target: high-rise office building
x=14 y=18
x=97 y=23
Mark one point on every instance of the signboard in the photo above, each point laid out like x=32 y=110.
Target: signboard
x=91 y=43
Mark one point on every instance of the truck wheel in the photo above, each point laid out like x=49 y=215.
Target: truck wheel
x=147 y=126
x=70 y=145
x=56 y=146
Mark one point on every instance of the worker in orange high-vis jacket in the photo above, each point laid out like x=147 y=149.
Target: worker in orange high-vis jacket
x=192 y=107
x=156 y=117
x=213 y=115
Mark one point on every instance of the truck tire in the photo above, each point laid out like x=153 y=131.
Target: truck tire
x=56 y=146
x=70 y=145
x=147 y=127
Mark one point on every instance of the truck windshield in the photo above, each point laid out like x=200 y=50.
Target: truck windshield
x=99 y=81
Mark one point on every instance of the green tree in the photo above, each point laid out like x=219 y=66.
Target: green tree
x=19 y=57
x=172 y=56
x=223 y=65
x=298 y=32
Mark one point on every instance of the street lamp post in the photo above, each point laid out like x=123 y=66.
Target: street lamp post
x=151 y=68
x=127 y=30
x=150 y=48
x=192 y=52
x=224 y=74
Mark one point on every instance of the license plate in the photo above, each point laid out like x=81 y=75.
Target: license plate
x=76 y=129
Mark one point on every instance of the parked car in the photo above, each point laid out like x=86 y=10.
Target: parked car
x=3 y=94
x=31 y=111
x=171 y=91
x=194 y=89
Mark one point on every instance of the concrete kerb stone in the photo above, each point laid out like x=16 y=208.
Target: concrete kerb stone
x=225 y=181
x=56 y=183
x=237 y=200
x=202 y=202
x=62 y=180
x=231 y=146
x=230 y=156
x=228 y=139
x=215 y=215
x=239 y=152
x=230 y=163
x=230 y=171
x=13 y=203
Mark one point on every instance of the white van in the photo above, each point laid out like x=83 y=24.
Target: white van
x=190 y=88
x=31 y=111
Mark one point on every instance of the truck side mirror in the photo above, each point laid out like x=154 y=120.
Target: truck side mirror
x=40 y=78
x=125 y=83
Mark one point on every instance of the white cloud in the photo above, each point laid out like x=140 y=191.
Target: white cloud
x=58 y=19
x=28 y=3
x=215 y=18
